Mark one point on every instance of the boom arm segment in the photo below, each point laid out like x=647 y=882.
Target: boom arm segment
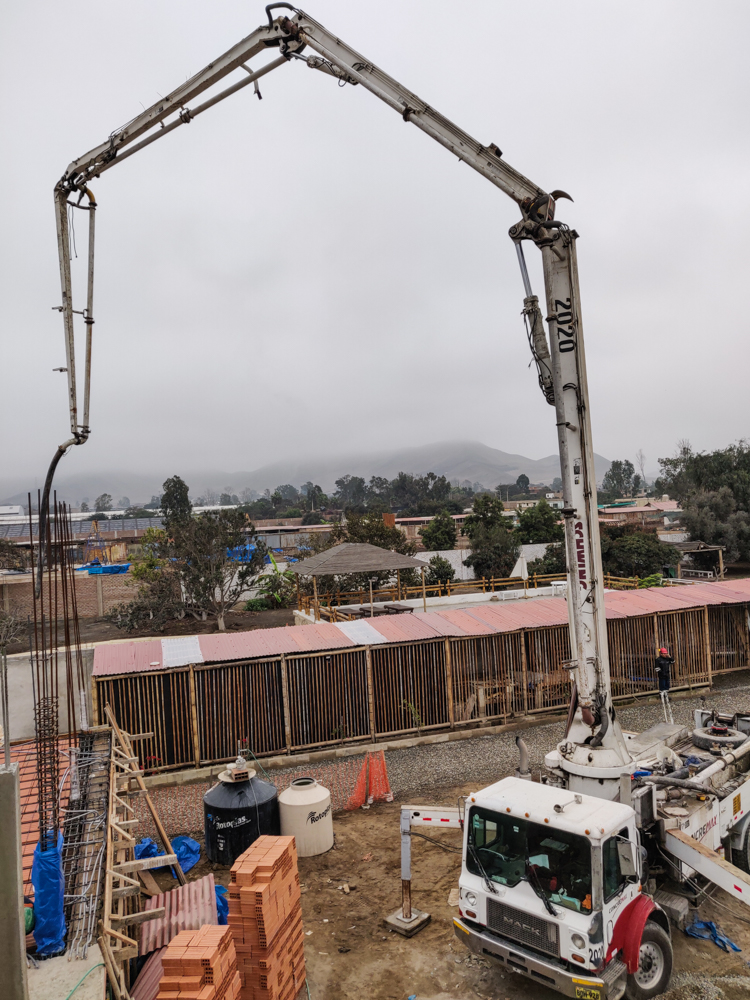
x=594 y=740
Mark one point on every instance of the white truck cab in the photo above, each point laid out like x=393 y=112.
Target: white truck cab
x=551 y=887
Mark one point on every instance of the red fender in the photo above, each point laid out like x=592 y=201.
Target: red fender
x=628 y=931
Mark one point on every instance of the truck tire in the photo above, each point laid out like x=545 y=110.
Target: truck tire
x=655 y=964
x=705 y=740
x=741 y=857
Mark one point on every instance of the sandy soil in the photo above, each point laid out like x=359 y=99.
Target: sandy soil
x=350 y=952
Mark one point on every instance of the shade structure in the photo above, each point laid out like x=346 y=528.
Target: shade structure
x=354 y=557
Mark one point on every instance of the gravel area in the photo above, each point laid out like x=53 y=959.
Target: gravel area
x=487 y=758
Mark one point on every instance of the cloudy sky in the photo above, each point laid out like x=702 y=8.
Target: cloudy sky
x=307 y=274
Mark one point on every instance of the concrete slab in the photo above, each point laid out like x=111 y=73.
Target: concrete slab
x=408 y=928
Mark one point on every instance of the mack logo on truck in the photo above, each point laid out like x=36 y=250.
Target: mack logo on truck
x=519 y=925
x=580 y=554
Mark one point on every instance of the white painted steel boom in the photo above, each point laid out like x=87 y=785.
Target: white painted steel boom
x=559 y=354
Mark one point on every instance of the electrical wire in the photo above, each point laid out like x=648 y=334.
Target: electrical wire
x=445 y=847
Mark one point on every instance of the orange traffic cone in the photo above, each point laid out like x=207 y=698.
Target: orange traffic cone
x=379 y=789
x=359 y=794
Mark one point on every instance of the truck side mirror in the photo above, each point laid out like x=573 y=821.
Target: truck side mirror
x=626 y=854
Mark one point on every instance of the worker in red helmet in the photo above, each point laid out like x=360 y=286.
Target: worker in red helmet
x=663 y=669
x=664 y=673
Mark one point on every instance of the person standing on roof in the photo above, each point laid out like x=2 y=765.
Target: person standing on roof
x=664 y=673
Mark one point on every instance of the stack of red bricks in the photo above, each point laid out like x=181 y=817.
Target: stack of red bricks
x=200 y=965
x=266 y=920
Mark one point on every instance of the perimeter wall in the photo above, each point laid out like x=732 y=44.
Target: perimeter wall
x=292 y=703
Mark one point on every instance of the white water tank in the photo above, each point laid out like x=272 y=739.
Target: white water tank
x=306 y=814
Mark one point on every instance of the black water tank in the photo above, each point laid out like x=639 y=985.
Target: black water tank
x=235 y=814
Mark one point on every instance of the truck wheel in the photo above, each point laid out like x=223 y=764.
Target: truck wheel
x=704 y=739
x=655 y=964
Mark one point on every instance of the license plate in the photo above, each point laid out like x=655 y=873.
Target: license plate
x=584 y=993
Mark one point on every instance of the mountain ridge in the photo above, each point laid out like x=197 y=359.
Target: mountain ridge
x=462 y=460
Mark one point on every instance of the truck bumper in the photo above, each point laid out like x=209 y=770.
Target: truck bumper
x=527 y=963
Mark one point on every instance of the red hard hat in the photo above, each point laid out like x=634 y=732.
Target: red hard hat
x=664 y=652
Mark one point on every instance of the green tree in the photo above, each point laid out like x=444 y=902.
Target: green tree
x=494 y=551
x=713 y=517
x=103 y=503
x=84 y=507
x=208 y=550
x=278 y=587
x=153 y=559
x=439 y=571
x=689 y=472
x=351 y=493
x=630 y=551
x=175 y=502
x=523 y=483
x=617 y=481
x=440 y=533
x=539 y=524
x=553 y=561
x=486 y=513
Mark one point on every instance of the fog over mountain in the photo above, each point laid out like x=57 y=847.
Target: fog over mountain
x=462 y=460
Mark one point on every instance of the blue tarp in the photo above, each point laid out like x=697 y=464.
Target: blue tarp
x=49 y=889
x=114 y=568
x=707 y=929
x=242 y=553
x=222 y=904
x=188 y=852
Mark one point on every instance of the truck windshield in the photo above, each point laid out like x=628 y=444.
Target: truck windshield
x=507 y=850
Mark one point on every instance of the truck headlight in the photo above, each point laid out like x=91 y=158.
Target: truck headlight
x=471 y=899
x=579 y=941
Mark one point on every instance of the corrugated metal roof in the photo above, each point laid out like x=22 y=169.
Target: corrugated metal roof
x=186 y=908
x=406 y=628
x=147 y=984
x=181 y=651
x=127 y=657
x=483 y=619
x=321 y=636
x=360 y=632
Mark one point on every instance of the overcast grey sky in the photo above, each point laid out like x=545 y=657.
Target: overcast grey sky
x=306 y=273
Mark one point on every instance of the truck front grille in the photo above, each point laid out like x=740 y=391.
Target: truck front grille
x=535 y=932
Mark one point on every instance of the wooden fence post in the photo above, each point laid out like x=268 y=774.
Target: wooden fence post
x=194 y=717
x=449 y=683
x=524 y=673
x=95 y=701
x=707 y=634
x=370 y=691
x=285 y=704
x=657 y=644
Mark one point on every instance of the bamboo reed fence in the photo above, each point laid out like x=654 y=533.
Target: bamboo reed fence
x=287 y=704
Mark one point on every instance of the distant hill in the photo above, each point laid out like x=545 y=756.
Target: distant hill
x=462 y=460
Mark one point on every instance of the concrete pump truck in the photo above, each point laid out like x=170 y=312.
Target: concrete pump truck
x=555 y=874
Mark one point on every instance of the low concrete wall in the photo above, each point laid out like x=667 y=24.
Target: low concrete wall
x=21 y=694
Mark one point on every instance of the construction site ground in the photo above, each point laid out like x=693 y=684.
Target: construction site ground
x=350 y=953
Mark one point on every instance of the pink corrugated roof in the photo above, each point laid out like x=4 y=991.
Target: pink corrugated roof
x=406 y=628
x=324 y=635
x=127 y=657
x=186 y=908
x=147 y=984
x=484 y=619
x=465 y=621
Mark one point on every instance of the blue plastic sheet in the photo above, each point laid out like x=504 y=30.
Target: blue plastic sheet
x=188 y=852
x=49 y=890
x=707 y=929
x=222 y=904
x=146 y=848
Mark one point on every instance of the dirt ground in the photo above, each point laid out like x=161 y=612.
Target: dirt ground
x=350 y=953
x=100 y=630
